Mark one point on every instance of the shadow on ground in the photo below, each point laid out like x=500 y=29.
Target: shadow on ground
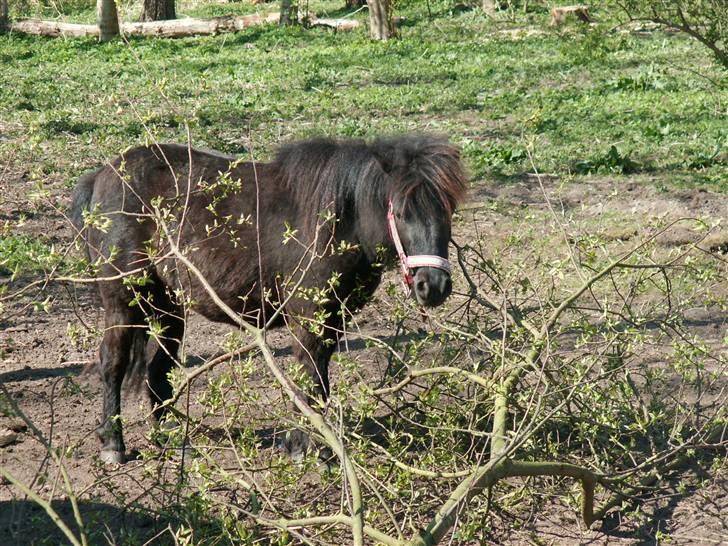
x=24 y=522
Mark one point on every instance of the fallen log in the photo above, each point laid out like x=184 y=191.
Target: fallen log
x=195 y=27
x=336 y=24
x=53 y=28
x=175 y=28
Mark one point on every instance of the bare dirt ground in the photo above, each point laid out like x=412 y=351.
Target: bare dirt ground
x=41 y=368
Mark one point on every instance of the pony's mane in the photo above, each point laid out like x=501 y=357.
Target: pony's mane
x=421 y=170
x=425 y=169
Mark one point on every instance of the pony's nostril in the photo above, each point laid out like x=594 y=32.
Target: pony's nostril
x=422 y=287
x=448 y=286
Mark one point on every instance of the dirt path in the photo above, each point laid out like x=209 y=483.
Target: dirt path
x=42 y=356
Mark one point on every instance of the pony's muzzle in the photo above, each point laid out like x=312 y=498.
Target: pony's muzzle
x=431 y=286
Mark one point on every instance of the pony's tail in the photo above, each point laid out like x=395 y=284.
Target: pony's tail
x=135 y=375
x=81 y=198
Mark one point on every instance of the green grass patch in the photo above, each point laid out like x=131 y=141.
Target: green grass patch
x=582 y=100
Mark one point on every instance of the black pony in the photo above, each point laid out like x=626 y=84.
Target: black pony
x=340 y=207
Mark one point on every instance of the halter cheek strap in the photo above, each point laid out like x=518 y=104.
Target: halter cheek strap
x=406 y=263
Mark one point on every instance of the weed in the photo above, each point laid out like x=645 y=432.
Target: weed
x=22 y=254
x=64 y=123
x=611 y=162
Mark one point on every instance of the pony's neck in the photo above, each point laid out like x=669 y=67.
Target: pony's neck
x=372 y=233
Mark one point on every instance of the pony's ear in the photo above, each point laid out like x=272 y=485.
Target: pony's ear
x=399 y=152
x=385 y=154
x=384 y=162
x=414 y=160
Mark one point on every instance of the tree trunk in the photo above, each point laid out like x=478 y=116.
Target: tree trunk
x=381 y=23
x=289 y=13
x=3 y=15
x=107 y=19
x=158 y=10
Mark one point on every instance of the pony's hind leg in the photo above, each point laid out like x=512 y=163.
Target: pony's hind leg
x=162 y=351
x=123 y=341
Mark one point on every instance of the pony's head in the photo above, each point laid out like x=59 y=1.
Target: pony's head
x=420 y=176
x=427 y=183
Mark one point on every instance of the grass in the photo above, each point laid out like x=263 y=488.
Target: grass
x=574 y=98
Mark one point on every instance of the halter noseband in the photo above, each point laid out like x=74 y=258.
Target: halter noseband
x=406 y=263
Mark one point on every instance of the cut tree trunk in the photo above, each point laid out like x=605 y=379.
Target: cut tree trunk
x=167 y=29
x=158 y=10
x=107 y=20
x=381 y=23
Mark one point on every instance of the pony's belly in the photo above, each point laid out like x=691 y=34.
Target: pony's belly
x=245 y=308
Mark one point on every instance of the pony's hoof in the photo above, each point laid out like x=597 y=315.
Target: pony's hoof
x=112 y=456
x=295 y=444
x=328 y=462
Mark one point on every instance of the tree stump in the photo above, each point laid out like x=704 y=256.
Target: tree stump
x=559 y=15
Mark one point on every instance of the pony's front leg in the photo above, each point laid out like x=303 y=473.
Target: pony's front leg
x=314 y=353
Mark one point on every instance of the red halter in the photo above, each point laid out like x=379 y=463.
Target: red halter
x=411 y=262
